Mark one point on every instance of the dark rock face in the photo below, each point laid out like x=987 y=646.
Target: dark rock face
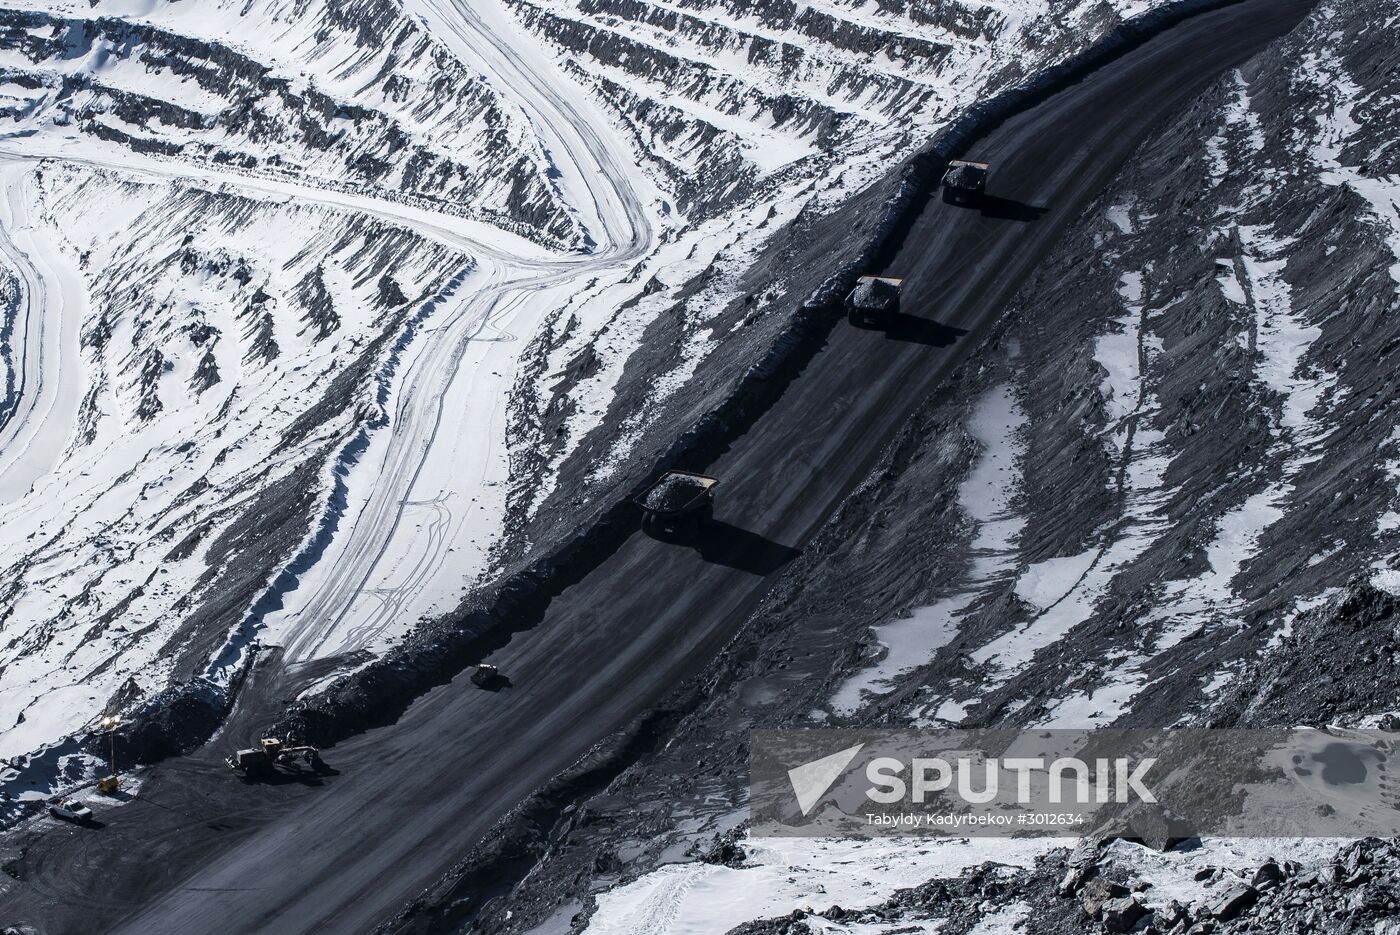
x=1234 y=902
x=1098 y=894
x=1121 y=914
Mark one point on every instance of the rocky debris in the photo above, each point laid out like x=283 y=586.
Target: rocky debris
x=1291 y=901
x=1170 y=916
x=1121 y=914
x=1267 y=876
x=1358 y=892
x=1235 y=901
x=1338 y=897
x=1321 y=673
x=1097 y=893
x=175 y=721
x=959 y=904
x=792 y=924
x=725 y=849
x=1082 y=865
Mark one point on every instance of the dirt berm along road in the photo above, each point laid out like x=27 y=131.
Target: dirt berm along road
x=198 y=852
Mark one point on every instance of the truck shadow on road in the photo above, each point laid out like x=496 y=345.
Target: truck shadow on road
x=914 y=330
x=92 y=824
x=721 y=543
x=1004 y=209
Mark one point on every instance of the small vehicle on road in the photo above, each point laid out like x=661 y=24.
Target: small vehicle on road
x=874 y=301
x=70 y=810
x=679 y=504
x=965 y=183
x=488 y=677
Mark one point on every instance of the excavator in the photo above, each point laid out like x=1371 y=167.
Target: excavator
x=271 y=752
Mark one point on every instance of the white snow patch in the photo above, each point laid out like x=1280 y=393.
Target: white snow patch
x=987 y=495
x=1144 y=465
x=1046 y=583
x=1120 y=216
x=1004 y=921
x=794 y=873
x=1119 y=353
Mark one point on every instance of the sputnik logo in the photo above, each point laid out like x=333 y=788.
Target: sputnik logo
x=811 y=781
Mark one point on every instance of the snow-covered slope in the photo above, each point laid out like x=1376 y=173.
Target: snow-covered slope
x=352 y=95
x=723 y=94
x=331 y=299
x=202 y=350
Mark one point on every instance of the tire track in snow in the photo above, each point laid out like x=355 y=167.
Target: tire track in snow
x=381 y=555
x=47 y=374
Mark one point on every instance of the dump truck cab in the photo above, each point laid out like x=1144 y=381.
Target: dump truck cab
x=874 y=301
x=678 y=504
x=965 y=183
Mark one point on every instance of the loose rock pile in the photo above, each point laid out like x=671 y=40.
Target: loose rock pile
x=1358 y=892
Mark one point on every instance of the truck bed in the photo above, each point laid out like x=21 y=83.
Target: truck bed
x=676 y=492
